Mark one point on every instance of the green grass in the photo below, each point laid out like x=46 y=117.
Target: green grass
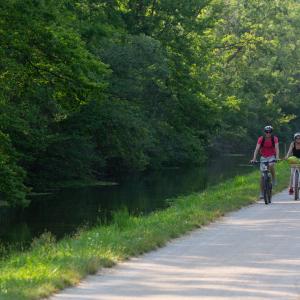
x=50 y=266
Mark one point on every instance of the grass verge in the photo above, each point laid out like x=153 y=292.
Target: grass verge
x=50 y=266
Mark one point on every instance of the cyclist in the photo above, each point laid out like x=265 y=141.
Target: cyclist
x=268 y=147
x=295 y=151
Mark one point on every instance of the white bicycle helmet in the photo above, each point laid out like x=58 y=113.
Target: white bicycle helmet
x=297 y=134
x=268 y=128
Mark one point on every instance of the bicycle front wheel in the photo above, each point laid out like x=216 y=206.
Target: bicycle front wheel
x=266 y=182
x=270 y=191
x=296 y=180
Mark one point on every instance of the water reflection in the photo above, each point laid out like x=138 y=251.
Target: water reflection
x=63 y=212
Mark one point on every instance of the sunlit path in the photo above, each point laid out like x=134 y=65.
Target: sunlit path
x=250 y=254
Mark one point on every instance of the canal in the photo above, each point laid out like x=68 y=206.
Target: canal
x=65 y=211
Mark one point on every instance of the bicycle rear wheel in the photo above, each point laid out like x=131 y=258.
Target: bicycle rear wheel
x=296 y=181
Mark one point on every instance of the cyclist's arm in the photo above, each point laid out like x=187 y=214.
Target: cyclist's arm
x=256 y=151
x=290 y=150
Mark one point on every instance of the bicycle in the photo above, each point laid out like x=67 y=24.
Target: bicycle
x=267 y=179
x=296 y=180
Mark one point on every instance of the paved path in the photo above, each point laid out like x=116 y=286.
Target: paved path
x=253 y=253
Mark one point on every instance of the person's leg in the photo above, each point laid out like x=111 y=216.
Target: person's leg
x=272 y=169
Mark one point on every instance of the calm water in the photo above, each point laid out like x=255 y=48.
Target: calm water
x=65 y=211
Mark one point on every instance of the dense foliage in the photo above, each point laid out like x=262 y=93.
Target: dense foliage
x=96 y=87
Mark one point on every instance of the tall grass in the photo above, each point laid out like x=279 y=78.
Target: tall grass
x=50 y=266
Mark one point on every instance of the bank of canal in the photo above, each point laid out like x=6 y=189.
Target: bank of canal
x=49 y=266
x=66 y=210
